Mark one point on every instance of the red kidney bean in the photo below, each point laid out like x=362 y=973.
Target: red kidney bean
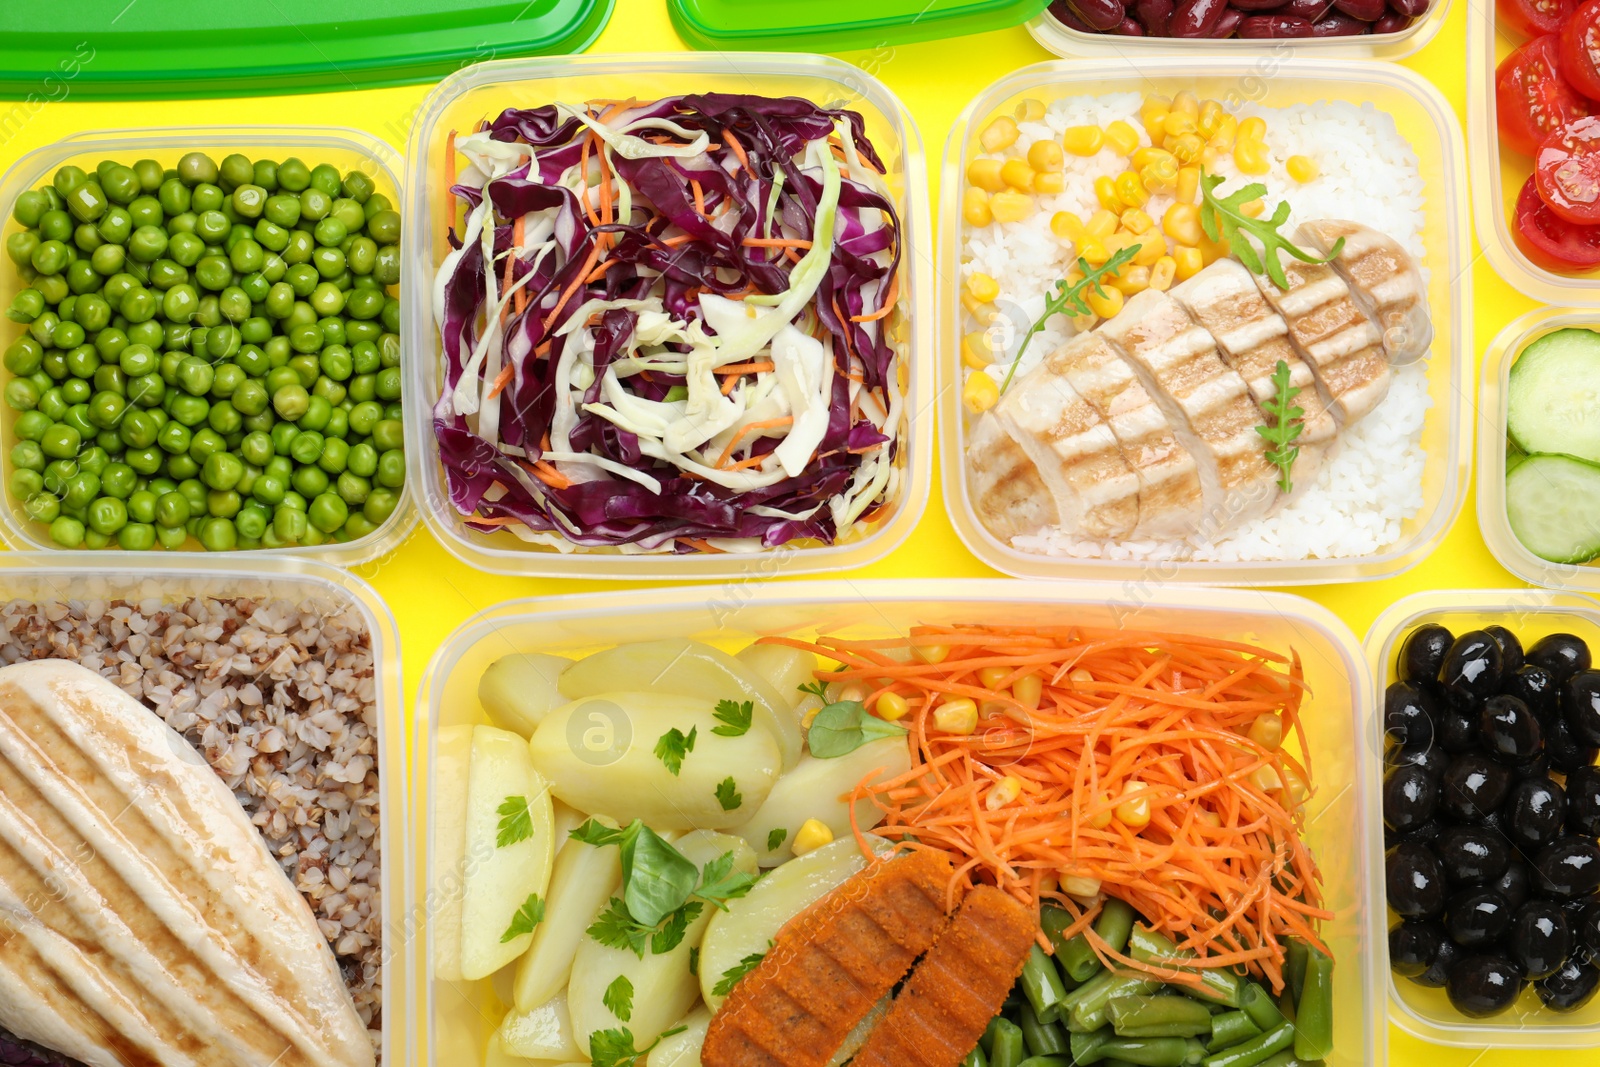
x=1253 y=6
x=1227 y=23
x=1063 y=13
x=1339 y=25
x=1365 y=10
x=1259 y=27
x=1194 y=18
x=1156 y=15
x=1310 y=10
x=1411 y=8
x=1128 y=27
x=1391 y=23
x=1101 y=14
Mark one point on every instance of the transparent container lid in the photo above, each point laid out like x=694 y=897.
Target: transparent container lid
x=838 y=25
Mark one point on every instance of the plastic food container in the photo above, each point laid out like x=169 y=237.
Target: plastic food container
x=485 y=90
x=839 y=25
x=91 y=575
x=1343 y=825
x=1065 y=41
x=346 y=149
x=1528 y=613
x=1498 y=175
x=1423 y=117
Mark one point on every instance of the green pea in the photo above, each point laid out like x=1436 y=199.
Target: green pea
x=302 y=280
x=61 y=441
x=293 y=175
x=81 y=278
x=306 y=447
x=27 y=455
x=195 y=375
x=105 y=409
x=266 y=175
x=173 y=509
x=218 y=535
x=173 y=538
x=224 y=503
x=165 y=273
x=74 y=391
x=42 y=507
x=306 y=337
x=50 y=257
x=142 y=504
x=29 y=207
x=262 y=422
x=20 y=247
x=247 y=256
x=224 y=418
x=57 y=225
x=136 y=537
x=107 y=515
x=299 y=249
x=249 y=397
x=93 y=459
x=316 y=415
x=391 y=469
x=315 y=204
x=391 y=320
x=289 y=523
x=385 y=227
x=81 y=488
x=335 y=453
x=380 y=505
x=291 y=401
x=147 y=390
x=180 y=303
x=249 y=201
x=86 y=238
x=118 y=480
x=147 y=244
x=190 y=410
x=338 y=419
x=234 y=304
x=222 y=470
x=206 y=443
x=87 y=202
x=327 y=512
x=329 y=299
x=236 y=170
x=147 y=460
x=146 y=211
x=22 y=394
x=358 y=187
x=309 y=480
x=223 y=342
x=330 y=231
x=67 y=532
x=69 y=335
x=53 y=405
x=282 y=210
x=351 y=487
x=329 y=263
x=31 y=425
x=150 y=174
x=173 y=196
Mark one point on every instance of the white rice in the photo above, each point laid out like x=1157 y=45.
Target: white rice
x=1368 y=172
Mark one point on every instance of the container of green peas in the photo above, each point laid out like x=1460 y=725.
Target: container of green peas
x=201 y=344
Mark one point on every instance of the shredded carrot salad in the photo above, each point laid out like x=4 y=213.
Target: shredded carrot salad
x=1140 y=765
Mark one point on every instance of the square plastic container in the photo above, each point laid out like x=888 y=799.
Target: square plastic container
x=91 y=575
x=1492 y=520
x=1422 y=117
x=1499 y=174
x=483 y=91
x=1530 y=614
x=346 y=149
x=1066 y=41
x=1343 y=823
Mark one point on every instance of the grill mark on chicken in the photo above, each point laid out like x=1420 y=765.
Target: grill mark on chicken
x=1008 y=490
x=1333 y=335
x=1383 y=279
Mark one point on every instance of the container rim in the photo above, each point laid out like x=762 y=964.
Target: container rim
x=421 y=335
x=26 y=170
x=1392 y=561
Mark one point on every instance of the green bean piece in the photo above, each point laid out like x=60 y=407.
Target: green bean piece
x=1074 y=956
x=1042 y=1038
x=1089 y=1046
x=975 y=1058
x=1231 y=1028
x=1091 y=1011
x=1041 y=984
x=1287 y=1058
x=1148 y=1051
x=1216 y=985
x=1254 y=1051
x=1294 y=969
x=1313 y=1026
x=1006 y=1049
x=1259 y=1006
x=1115 y=924
x=1158 y=1016
x=1047 y=1061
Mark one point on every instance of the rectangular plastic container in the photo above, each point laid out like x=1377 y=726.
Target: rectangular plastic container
x=1498 y=174
x=486 y=89
x=1422 y=116
x=89 y=575
x=1065 y=41
x=1492 y=520
x=346 y=149
x=1342 y=824
x=1530 y=614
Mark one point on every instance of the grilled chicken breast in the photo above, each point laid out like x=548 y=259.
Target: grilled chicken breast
x=1007 y=492
x=143 y=920
x=1384 y=280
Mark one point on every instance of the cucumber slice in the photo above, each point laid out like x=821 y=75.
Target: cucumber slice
x=1553 y=402
x=1553 y=505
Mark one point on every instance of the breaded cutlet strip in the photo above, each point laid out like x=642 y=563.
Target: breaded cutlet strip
x=957 y=988
x=829 y=966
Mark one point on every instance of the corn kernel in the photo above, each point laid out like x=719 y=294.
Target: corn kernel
x=979 y=310
x=1162 y=273
x=1176 y=125
x=1188 y=185
x=1188 y=262
x=1049 y=183
x=1081 y=679
x=1017 y=174
x=999 y=134
x=1253 y=128
x=1048 y=883
x=1211 y=251
x=1029 y=110
x=982 y=286
x=1029 y=690
x=892 y=706
x=1106 y=303
x=1135 y=221
x=1186 y=103
x=1160 y=176
x=1081 y=886
x=991 y=677
x=1011 y=206
x=1102 y=817
x=1302 y=168
x=1132 y=279
x=1296 y=786
x=1105 y=191
x=1210 y=818
x=931 y=653
x=1250 y=157
x=1267 y=731
x=976 y=352
x=808 y=708
x=1155 y=102
x=1083 y=323
x=1186 y=148
x=1094 y=252
x=812 y=835
x=854 y=692
x=1252 y=209
x=975 y=207
x=1181 y=222
x=1155 y=124
x=1226 y=133
x=1116 y=242
x=1266 y=779
x=1212 y=156
x=959 y=716
x=1045 y=155
x=1131 y=189
x=1210 y=118
x=990 y=708
x=1122 y=137
x=1083 y=140
x=1152 y=246
x=1101 y=224
x=1134 y=813
x=980 y=393
x=1003 y=792
x=985 y=174
x=1143 y=157
x=1066 y=225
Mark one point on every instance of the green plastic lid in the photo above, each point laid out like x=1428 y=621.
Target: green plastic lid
x=169 y=48
x=838 y=25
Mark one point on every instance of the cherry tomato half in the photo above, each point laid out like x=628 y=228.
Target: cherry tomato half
x=1567 y=171
x=1534 y=18
x=1579 y=51
x=1531 y=99
x=1548 y=240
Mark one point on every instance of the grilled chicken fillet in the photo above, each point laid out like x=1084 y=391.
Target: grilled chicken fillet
x=1385 y=281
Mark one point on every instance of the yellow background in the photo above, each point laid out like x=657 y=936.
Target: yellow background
x=431 y=593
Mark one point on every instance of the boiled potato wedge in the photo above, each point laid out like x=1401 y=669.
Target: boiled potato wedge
x=785 y=669
x=819 y=789
x=585 y=877
x=452 y=755
x=692 y=669
x=519 y=690
x=599 y=756
x=500 y=879
x=683 y=1050
x=545 y=1033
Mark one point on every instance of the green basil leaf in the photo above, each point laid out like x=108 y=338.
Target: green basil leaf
x=657 y=878
x=841 y=728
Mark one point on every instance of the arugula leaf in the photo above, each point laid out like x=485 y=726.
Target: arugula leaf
x=673 y=746
x=1223 y=219
x=731 y=976
x=728 y=794
x=594 y=832
x=735 y=718
x=845 y=726
x=719 y=882
x=516 y=821
x=615 y=928
x=776 y=838
x=1069 y=299
x=672 y=930
x=530 y=915
x=618 y=998
x=614 y=1048
x=656 y=878
x=818 y=689
x=1285 y=426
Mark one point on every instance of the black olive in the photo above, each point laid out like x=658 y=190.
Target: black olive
x=1482 y=985
x=1586 y=931
x=1583 y=801
x=1569 y=868
x=1567 y=753
x=1538 y=767
x=1511 y=657
x=1471 y=854
x=1539 y=938
x=1413 y=946
x=1473 y=786
x=1472 y=666
x=1415 y=881
x=1408 y=716
x=1509 y=731
x=1426 y=834
x=1423 y=652
x=1477 y=917
x=1410 y=797
x=1456 y=730
x=1533 y=813
x=1535 y=687
x=1571 y=987
x=1580 y=706
x=1439 y=970
x=1514 y=885
x=1563 y=655
x=1433 y=760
